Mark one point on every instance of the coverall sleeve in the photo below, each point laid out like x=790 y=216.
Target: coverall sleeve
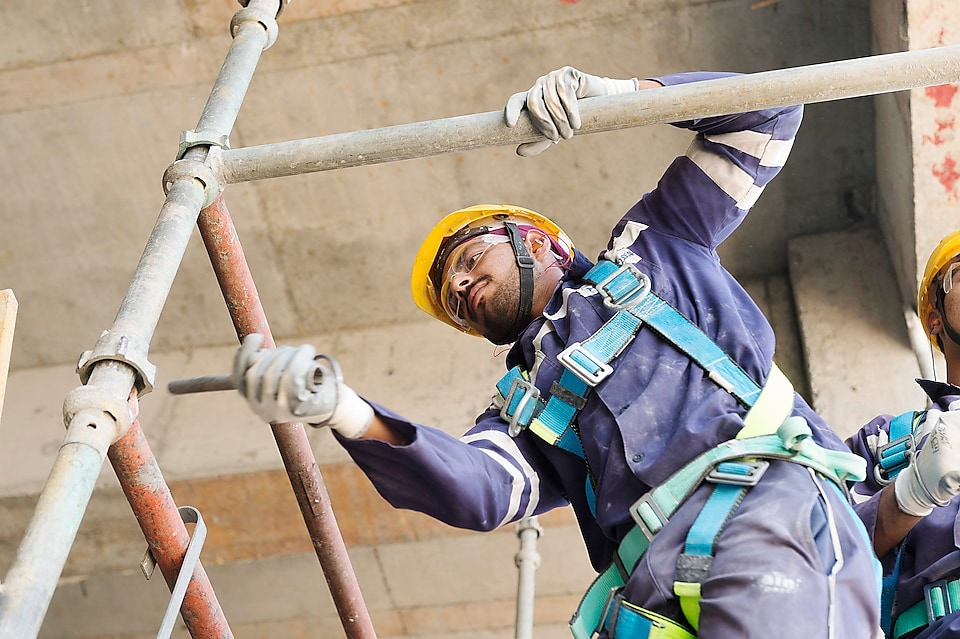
x=480 y=482
x=866 y=494
x=705 y=194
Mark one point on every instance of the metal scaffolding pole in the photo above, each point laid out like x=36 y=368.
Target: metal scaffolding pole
x=240 y=292
x=96 y=414
x=799 y=85
x=166 y=534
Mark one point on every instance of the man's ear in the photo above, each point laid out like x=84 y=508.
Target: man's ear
x=537 y=241
x=933 y=322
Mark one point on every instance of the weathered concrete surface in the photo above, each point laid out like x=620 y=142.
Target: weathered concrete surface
x=93 y=97
x=93 y=100
x=860 y=363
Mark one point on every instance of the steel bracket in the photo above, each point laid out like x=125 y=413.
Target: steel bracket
x=95 y=404
x=191 y=558
x=120 y=348
x=190 y=139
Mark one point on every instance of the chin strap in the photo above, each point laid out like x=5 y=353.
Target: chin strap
x=525 y=266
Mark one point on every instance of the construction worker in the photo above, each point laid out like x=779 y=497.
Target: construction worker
x=640 y=390
x=908 y=502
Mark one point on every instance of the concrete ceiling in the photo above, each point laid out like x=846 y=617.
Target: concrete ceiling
x=94 y=96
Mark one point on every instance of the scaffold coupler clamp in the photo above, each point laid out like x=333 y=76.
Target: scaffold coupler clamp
x=206 y=173
x=99 y=411
x=258 y=14
x=113 y=346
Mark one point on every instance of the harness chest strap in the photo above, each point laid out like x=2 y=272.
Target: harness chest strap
x=587 y=363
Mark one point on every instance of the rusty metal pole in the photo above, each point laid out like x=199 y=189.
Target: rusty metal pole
x=240 y=293
x=165 y=532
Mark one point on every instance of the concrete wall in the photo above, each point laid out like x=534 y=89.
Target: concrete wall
x=93 y=97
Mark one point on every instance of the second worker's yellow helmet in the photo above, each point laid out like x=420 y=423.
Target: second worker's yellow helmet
x=944 y=254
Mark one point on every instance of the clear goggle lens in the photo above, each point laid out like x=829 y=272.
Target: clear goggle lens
x=952 y=271
x=462 y=261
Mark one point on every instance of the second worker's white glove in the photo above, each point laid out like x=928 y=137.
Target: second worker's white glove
x=552 y=104
x=933 y=477
x=294 y=384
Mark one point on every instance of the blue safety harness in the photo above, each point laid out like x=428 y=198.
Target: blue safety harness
x=939 y=598
x=733 y=467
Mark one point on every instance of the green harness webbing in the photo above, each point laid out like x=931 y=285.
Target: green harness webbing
x=891 y=459
x=792 y=442
x=939 y=600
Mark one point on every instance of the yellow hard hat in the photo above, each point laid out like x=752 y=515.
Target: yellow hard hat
x=456 y=228
x=946 y=252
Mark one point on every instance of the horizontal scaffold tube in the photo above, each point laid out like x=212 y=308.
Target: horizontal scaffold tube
x=769 y=89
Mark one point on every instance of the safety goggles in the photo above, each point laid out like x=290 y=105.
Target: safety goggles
x=462 y=261
x=952 y=271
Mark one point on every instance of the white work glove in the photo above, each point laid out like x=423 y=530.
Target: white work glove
x=933 y=476
x=294 y=384
x=552 y=104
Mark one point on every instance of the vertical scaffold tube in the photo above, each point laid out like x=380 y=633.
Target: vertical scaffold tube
x=240 y=292
x=30 y=583
x=529 y=531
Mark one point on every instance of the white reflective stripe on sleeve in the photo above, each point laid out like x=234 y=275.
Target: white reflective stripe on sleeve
x=628 y=236
x=747 y=201
x=733 y=180
x=776 y=153
x=505 y=443
x=759 y=145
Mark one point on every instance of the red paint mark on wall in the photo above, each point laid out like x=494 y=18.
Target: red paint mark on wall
x=948 y=175
x=938 y=137
x=942 y=94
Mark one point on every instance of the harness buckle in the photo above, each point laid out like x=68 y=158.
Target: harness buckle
x=530 y=393
x=938 y=599
x=893 y=457
x=738 y=473
x=577 y=359
x=625 y=287
x=648 y=516
x=612 y=602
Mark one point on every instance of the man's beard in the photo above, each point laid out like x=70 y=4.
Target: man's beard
x=500 y=313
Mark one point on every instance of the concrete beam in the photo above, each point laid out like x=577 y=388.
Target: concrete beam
x=855 y=341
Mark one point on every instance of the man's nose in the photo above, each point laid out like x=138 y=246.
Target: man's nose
x=459 y=282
